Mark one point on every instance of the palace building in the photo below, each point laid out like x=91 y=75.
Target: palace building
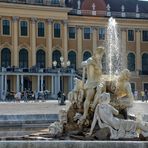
x=43 y=42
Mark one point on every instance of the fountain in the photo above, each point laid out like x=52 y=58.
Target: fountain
x=98 y=100
x=114 y=61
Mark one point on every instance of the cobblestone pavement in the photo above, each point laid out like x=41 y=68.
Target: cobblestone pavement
x=52 y=107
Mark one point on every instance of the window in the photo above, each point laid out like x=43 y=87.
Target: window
x=145 y=86
x=131 y=61
x=5 y=57
x=86 y=55
x=72 y=59
x=57 y=30
x=23 y=58
x=145 y=35
x=39 y=1
x=55 y=2
x=24 y=29
x=145 y=64
x=41 y=29
x=6 y=27
x=86 y=33
x=101 y=33
x=40 y=58
x=72 y=32
x=133 y=87
x=130 y=35
x=22 y=1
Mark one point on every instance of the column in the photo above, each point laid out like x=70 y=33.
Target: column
x=138 y=53
x=123 y=48
x=5 y=85
x=15 y=40
x=49 y=43
x=79 y=45
x=2 y=87
x=17 y=83
x=71 y=82
x=56 y=85
x=2 y=83
x=65 y=41
x=33 y=40
x=52 y=85
x=22 y=83
x=38 y=88
x=42 y=83
x=94 y=38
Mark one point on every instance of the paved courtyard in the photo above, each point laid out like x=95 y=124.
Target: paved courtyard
x=22 y=108
x=51 y=107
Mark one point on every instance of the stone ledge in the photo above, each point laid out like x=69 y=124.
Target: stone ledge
x=73 y=144
x=13 y=120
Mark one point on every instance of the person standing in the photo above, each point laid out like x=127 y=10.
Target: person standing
x=142 y=95
x=146 y=95
x=136 y=94
x=25 y=95
x=36 y=95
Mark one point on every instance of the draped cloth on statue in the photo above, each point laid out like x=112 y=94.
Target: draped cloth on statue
x=118 y=128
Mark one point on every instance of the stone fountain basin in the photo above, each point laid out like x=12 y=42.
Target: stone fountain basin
x=73 y=144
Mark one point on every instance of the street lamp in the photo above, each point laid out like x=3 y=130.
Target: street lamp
x=63 y=64
x=54 y=63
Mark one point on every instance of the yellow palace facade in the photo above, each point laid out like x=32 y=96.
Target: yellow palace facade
x=43 y=42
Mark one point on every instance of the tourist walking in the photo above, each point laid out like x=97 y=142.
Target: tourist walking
x=146 y=95
x=25 y=96
x=18 y=96
x=142 y=95
x=136 y=94
x=36 y=95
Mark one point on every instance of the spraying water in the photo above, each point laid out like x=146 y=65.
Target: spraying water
x=113 y=58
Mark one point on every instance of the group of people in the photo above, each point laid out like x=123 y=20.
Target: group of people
x=26 y=96
x=143 y=95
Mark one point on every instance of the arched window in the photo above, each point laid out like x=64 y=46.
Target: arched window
x=72 y=59
x=131 y=61
x=5 y=57
x=40 y=58
x=56 y=57
x=86 y=55
x=23 y=58
x=145 y=64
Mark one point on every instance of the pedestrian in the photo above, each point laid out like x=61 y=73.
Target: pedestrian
x=142 y=95
x=25 y=95
x=136 y=94
x=18 y=96
x=146 y=95
x=36 y=95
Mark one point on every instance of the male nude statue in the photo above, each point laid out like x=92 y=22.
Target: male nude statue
x=94 y=71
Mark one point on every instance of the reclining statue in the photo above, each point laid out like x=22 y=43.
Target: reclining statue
x=119 y=128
